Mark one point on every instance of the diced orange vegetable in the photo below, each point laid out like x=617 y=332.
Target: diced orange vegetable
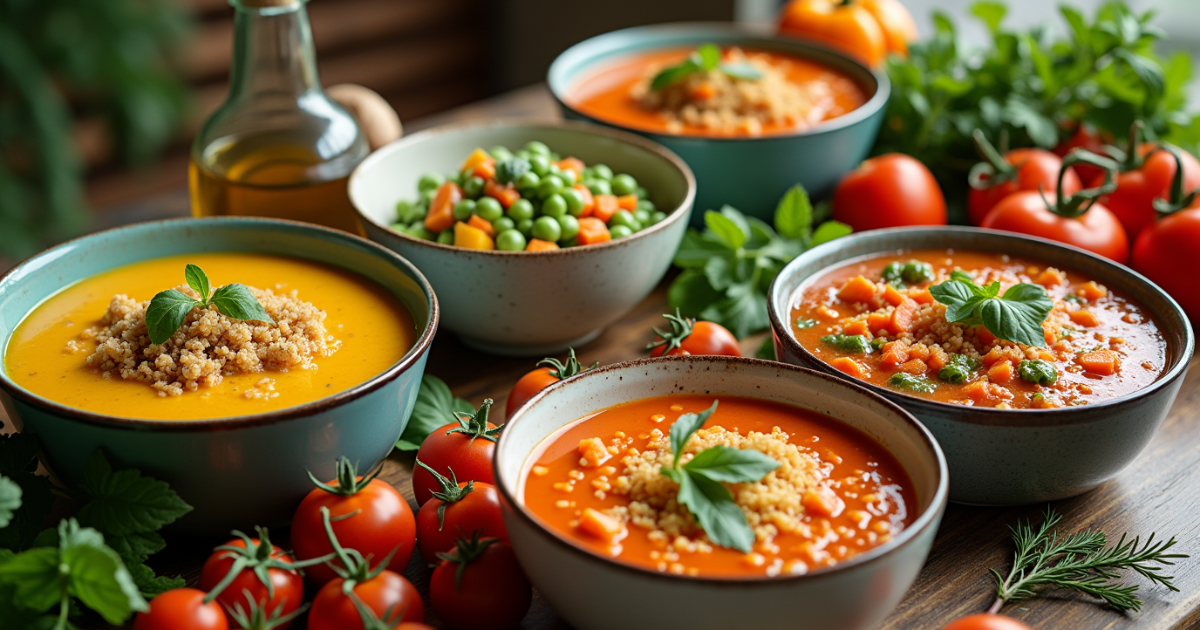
x=902 y=317
x=472 y=237
x=893 y=353
x=993 y=355
x=589 y=202
x=856 y=289
x=1085 y=318
x=986 y=393
x=592 y=230
x=892 y=296
x=592 y=452
x=1050 y=277
x=849 y=366
x=856 y=327
x=1091 y=291
x=599 y=525
x=985 y=336
x=538 y=245
x=506 y=194
x=477 y=157
x=441 y=209
x=628 y=202
x=1051 y=338
x=1102 y=362
x=485 y=171
x=480 y=224
x=606 y=207
x=1001 y=372
x=914 y=366
x=1042 y=402
x=918 y=352
x=937 y=359
x=703 y=91
x=921 y=297
x=878 y=321
x=1046 y=356
x=571 y=164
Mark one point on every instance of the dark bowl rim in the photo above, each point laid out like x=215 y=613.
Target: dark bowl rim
x=749 y=33
x=929 y=517
x=618 y=135
x=321 y=405
x=1033 y=418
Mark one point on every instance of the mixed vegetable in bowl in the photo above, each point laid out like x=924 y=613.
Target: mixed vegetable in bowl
x=532 y=199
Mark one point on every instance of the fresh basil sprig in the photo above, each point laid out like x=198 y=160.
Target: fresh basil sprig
x=1016 y=316
x=435 y=407
x=170 y=308
x=706 y=58
x=701 y=482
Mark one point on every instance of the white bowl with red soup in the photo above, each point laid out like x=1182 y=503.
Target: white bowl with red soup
x=717 y=492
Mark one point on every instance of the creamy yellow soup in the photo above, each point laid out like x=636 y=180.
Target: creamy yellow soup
x=374 y=328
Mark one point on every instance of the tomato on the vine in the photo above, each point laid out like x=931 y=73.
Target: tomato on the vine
x=182 y=609
x=986 y=621
x=891 y=190
x=370 y=516
x=466 y=446
x=1087 y=138
x=1072 y=219
x=997 y=177
x=1167 y=251
x=455 y=511
x=690 y=337
x=549 y=371
x=254 y=566
x=480 y=586
x=1146 y=174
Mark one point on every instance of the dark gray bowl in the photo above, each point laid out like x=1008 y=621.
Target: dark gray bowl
x=1013 y=456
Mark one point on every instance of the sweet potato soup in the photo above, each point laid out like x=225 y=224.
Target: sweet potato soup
x=768 y=93
x=885 y=320
x=833 y=491
x=86 y=346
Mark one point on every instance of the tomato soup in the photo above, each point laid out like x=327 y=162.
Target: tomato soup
x=865 y=319
x=369 y=328
x=835 y=494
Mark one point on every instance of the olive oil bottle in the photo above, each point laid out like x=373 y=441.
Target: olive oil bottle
x=278 y=146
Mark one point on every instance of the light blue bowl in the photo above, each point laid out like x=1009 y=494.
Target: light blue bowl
x=241 y=471
x=750 y=174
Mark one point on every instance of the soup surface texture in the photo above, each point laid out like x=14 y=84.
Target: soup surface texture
x=48 y=351
x=892 y=333
x=617 y=93
x=836 y=493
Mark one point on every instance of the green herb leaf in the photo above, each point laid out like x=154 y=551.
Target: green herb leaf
x=683 y=428
x=434 y=407
x=166 y=313
x=236 y=301
x=126 y=502
x=960 y=298
x=725 y=229
x=151 y=585
x=36 y=578
x=712 y=505
x=909 y=382
x=742 y=70
x=691 y=293
x=1038 y=371
x=1016 y=316
x=731 y=465
x=674 y=74
x=696 y=249
x=829 y=231
x=708 y=56
x=742 y=311
x=197 y=280
x=101 y=582
x=10 y=500
x=794 y=214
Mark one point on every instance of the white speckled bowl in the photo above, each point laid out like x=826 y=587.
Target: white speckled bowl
x=530 y=303
x=596 y=593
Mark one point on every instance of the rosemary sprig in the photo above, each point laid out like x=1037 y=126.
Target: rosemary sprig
x=1081 y=562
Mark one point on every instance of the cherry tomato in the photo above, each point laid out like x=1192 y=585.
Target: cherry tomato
x=480 y=586
x=466 y=447
x=1147 y=179
x=986 y=621
x=533 y=382
x=891 y=190
x=845 y=26
x=1020 y=169
x=369 y=515
x=182 y=609
x=1096 y=230
x=456 y=510
x=1168 y=252
x=1087 y=138
x=690 y=337
x=287 y=587
x=387 y=594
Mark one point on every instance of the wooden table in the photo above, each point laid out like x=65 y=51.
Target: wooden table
x=1160 y=492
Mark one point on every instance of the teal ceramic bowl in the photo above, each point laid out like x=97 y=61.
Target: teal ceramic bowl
x=239 y=471
x=748 y=173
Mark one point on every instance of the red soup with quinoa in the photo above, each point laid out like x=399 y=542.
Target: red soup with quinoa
x=979 y=328
x=809 y=491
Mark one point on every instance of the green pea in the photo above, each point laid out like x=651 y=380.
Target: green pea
x=430 y=181
x=549 y=187
x=464 y=209
x=427 y=197
x=620 y=231
x=569 y=225
x=641 y=192
x=567 y=177
x=524 y=154
x=601 y=171
x=420 y=231
x=525 y=226
x=642 y=216
x=500 y=153
x=657 y=217
x=504 y=223
x=488 y=209
x=555 y=169
x=521 y=209
x=510 y=241
x=647 y=205
x=473 y=187
x=574 y=200
x=446 y=237
x=540 y=165
x=547 y=229
x=400 y=227
x=624 y=184
x=554 y=206
x=625 y=217
x=409 y=211
x=528 y=181
x=600 y=187
x=537 y=148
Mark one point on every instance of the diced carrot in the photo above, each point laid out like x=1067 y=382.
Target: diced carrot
x=857 y=289
x=1046 y=356
x=441 y=209
x=856 y=327
x=993 y=355
x=481 y=224
x=902 y=317
x=877 y=322
x=1051 y=338
x=1103 y=362
x=485 y=171
x=592 y=452
x=606 y=207
x=592 y=230
x=599 y=525
x=918 y=352
x=627 y=202
x=849 y=366
x=1085 y=318
x=1001 y=372
x=892 y=296
x=985 y=336
x=471 y=237
x=477 y=157
x=589 y=202
x=703 y=91
x=986 y=393
x=1091 y=291
x=894 y=353
x=937 y=359
x=914 y=366
x=571 y=164
x=921 y=297
x=506 y=194
x=1050 y=277
x=822 y=501
x=538 y=245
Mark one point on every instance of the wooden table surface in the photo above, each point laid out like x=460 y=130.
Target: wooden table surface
x=1159 y=492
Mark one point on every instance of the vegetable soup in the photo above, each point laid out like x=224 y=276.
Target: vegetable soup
x=822 y=492
x=979 y=328
x=88 y=346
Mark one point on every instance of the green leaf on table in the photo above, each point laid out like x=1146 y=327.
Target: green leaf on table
x=696 y=248
x=10 y=500
x=197 y=280
x=725 y=229
x=151 y=585
x=136 y=547
x=691 y=293
x=794 y=214
x=35 y=576
x=166 y=313
x=829 y=231
x=101 y=582
x=742 y=311
x=126 y=502
x=236 y=301
x=435 y=407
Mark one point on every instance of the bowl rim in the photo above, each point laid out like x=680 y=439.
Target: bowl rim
x=803 y=48
x=419 y=348
x=1034 y=418
x=929 y=517
x=586 y=128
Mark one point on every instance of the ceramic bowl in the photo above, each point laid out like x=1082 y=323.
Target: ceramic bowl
x=750 y=174
x=529 y=303
x=241 y=471
x=598 y=593
x=1012 y=456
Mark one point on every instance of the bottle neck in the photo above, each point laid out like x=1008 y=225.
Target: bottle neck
x=273 y=53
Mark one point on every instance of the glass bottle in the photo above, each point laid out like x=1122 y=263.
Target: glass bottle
x=278 y=146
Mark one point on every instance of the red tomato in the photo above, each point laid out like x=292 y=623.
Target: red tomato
x=182 y=609
x=986 y=621
x=1168 y=252
x=457 y=510
x=533 y=382
x=892 y=190
x=1137 y=188
x=381 y=522
x=1084 y=137
x=480 y=586
x=1096 y=230
x=1020 y=169
x=466 y=447
x=690 y=337
x=387 y=595
x=287 y=587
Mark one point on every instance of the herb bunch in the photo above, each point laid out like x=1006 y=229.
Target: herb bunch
x=728 y=268
x=169 y=309
x=1015 y=316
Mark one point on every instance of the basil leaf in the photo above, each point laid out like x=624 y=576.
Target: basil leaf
x=10 y=500
x=720 y=272
x=793 y=215
x=959 y=297
x=725 y=229
x=742 y=311
x=135 y=547
x=674 y=74
x=708 y=56
x=236 y=301
x=435 y=407
x=742 y=70
x=731 y=465
x=101 y=582
x=959 y=275
x=126 y=502
x=683 y=428
x=712 y=505
x=1019 y=315
x=35 y=576
x=697 y=248
x=197 y=279
x=829 y=231
x=166 y=313
x=149 y=584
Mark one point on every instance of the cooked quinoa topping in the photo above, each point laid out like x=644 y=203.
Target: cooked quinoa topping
x=209 y=345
